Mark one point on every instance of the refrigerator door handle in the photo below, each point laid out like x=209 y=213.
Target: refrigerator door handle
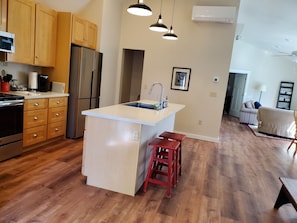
x=91 y=89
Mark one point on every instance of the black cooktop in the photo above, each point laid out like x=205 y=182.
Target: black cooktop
x=8 y=97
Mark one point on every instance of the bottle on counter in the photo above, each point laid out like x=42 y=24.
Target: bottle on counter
x=165 y=102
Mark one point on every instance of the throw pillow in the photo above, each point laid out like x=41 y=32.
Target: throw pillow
x=249 y=104
x=257 y=104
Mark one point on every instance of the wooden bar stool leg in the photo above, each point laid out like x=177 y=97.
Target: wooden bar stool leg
x=170 y=171
x=150 y=169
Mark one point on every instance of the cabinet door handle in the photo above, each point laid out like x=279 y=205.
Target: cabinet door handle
x=35 y=118
x=35 y=135
x=58 y=102
x=57 y=129
x=36 y=104
x=57 y=114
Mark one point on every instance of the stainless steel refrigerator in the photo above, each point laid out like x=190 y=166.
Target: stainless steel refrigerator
x=84 y=87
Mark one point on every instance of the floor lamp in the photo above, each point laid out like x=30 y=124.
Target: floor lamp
x=261 y=88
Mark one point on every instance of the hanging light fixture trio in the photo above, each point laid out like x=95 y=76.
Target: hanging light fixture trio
x=140 y=9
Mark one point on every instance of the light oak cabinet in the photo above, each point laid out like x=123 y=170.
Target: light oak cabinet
x=35 y=121
x=45 y=36
x=3 y=15
x=35 y=29
x=44 y=119
x=57 y=113
x=84 y=33
x=21 y=22
x=68 y=33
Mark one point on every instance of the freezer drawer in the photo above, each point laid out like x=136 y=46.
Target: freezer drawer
x=75 y=120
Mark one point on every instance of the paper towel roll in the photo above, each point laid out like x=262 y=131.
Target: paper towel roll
x=33 y=80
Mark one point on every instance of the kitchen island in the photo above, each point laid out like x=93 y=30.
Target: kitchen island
x=115 y=150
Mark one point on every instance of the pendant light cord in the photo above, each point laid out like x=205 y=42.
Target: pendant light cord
x=173 y=12
x=161 y=7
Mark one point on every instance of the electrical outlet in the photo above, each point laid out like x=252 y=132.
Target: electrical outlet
x=213 y=94
x=135 y=135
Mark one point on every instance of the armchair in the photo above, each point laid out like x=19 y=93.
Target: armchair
x=248 y=113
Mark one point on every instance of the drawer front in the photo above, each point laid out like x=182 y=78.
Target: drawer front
x=57 y=102
x=33 y=104
x=57 y=114
x=34 y=135
x=56 y=129
x=35 y=118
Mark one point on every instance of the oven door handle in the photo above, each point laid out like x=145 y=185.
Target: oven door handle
x=11 y=103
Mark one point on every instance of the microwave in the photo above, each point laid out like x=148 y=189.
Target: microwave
x=6 y=42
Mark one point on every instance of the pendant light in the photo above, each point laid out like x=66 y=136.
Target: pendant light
x=159 y=26
x=170 y=35
x=140 y=9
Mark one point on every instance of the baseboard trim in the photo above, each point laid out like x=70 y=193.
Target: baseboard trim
x=200 y=137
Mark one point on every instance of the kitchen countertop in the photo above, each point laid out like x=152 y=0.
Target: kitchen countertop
x=122 y=112
x=36 y=95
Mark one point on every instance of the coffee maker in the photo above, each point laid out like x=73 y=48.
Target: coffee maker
x=43 y=83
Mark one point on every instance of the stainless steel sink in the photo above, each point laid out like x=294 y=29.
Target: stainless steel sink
x=144 y=105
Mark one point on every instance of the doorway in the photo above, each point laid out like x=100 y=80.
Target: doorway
x=131 y=75
x=235 y=93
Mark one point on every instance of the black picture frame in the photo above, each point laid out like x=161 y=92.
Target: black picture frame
x=180 y=78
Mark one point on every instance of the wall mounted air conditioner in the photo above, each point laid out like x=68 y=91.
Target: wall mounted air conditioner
x=224 y=14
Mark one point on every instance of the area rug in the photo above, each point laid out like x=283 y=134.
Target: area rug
x=254 y=130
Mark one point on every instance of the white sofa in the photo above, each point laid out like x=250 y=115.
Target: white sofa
x=248 y=113
x=276 y=121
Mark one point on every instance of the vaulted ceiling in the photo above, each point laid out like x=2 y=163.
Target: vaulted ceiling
x=269 y=24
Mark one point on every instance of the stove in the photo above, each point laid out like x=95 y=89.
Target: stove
x=7 y=97
x=11 y=125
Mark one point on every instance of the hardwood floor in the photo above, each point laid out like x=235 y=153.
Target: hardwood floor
x=235 y=180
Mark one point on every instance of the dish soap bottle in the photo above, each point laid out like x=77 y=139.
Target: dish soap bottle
x=165 y=102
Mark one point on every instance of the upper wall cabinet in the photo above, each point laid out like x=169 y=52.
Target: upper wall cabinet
x=35 y=29
x=3 y=15
x=21 y=22
x=45 y=36
x=84 y=33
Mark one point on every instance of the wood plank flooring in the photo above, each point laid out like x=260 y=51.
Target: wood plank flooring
x=235 y=181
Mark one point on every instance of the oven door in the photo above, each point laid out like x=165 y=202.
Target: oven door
x=11 y=128
x=11 y=117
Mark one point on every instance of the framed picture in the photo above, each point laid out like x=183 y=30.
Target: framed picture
x=180 y=78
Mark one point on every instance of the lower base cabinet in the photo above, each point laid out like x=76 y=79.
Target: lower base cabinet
x=34 y=135
x=44 y=119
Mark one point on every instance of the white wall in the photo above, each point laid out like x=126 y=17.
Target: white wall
x=109 y=46
x=264 y=69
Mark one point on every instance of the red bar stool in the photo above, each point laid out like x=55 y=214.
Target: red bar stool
x=163 y=153
x=177 y=137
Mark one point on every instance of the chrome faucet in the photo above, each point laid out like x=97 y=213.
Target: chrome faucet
x=161 y=93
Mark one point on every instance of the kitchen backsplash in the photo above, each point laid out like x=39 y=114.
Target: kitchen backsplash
x=19 y=71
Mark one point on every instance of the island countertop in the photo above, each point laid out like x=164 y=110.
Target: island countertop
x=122 y=112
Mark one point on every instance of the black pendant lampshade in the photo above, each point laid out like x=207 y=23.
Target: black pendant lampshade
x=140 y=9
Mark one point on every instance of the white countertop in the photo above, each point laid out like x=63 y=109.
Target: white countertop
x=35 y=95
x=144 y=116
